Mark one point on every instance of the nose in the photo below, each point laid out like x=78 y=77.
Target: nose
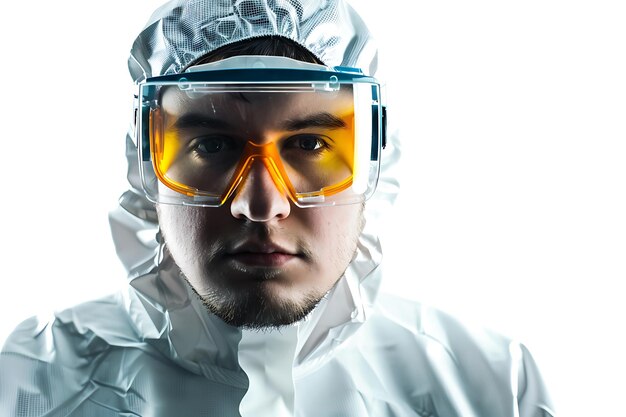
x=259 y=198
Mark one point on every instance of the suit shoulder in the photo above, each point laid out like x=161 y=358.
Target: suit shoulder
x=84 y=329
x=458 y=335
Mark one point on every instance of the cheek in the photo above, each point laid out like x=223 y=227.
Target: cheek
x=336 y=230
x=174 y=222
x=186 y=231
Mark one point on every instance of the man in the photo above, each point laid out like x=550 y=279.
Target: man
x=250 y=237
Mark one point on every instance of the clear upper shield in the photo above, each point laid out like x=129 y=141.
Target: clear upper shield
x=318 y=131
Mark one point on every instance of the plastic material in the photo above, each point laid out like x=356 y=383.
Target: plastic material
x=317 y=131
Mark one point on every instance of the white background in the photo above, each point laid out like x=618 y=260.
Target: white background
x=513 y=203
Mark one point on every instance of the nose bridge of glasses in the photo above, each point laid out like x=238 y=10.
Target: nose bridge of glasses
x=268 y=155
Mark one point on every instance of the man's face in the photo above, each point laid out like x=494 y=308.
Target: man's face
x=259 y=260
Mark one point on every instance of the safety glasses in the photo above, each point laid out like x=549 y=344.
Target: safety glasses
x=318 y=132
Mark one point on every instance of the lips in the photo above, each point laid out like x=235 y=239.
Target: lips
x=262 y=254
x=262 y=259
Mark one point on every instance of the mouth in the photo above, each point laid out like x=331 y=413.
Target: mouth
x=268 y=260
x=262 y=254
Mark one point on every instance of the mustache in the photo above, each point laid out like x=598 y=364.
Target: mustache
x=260 y=237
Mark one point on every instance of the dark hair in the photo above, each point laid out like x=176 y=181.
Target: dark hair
x=264 y=45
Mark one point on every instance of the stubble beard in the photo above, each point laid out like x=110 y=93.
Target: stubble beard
x=256 y=307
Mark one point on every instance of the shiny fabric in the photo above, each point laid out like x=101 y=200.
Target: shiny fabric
x=182 y=31
x=154 y=350
x=406 y=360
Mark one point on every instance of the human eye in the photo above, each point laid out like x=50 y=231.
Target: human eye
x=208 y=145
x=307 y=142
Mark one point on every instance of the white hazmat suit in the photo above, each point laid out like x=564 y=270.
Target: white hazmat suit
x=153 y=350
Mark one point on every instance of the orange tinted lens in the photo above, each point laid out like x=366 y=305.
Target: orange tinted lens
x=320 y=162
x=201 y=141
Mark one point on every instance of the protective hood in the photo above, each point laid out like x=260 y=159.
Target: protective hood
x=161 y=304
x=181 y=31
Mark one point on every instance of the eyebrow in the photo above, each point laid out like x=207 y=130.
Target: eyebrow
x=191 y=120
x=322 y=119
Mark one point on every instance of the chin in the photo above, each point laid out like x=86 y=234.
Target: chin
x=260 y=305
